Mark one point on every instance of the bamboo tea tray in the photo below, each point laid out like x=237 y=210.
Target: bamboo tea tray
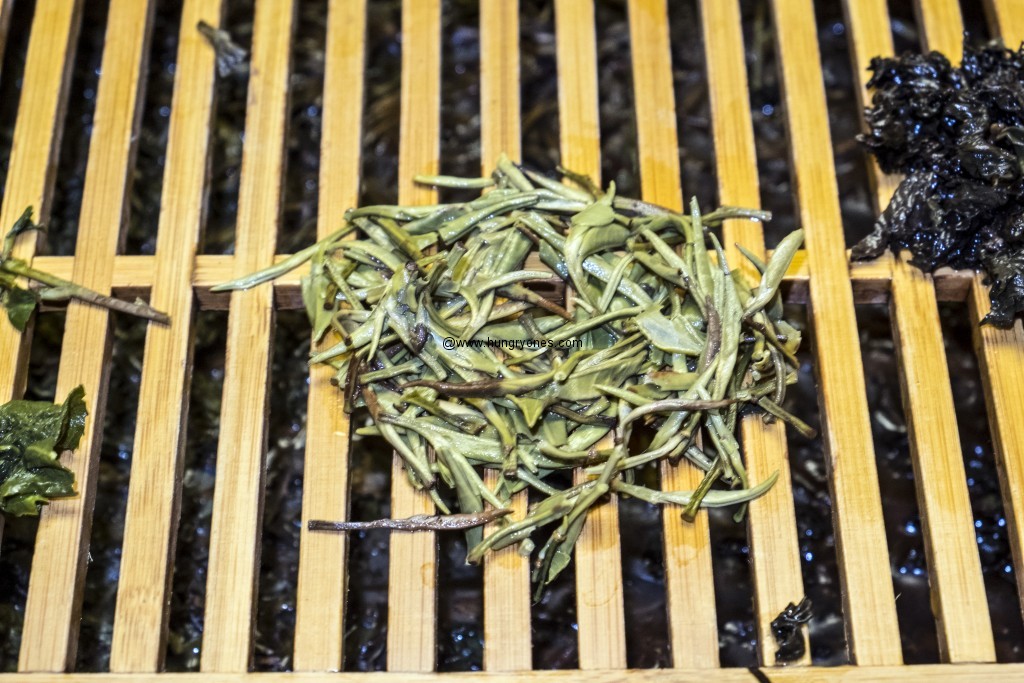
x=176 y=280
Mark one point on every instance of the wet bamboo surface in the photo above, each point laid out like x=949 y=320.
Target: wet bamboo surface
x=412 y=583
x=320 y=611
x=50 y=632
x=506 y=573
x=599 y=607
x=153 y=506
x=179 y=281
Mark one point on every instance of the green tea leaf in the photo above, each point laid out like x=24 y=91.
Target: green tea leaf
x=670 y=335
x=20 y=304
x=33 y=434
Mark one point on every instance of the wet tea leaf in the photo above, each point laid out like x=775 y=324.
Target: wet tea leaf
x=33 y=434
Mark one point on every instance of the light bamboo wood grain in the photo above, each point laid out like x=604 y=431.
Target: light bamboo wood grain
x=320 y=604
x=958 y=588
x=50 y=632
x=133 y=277
x=693 y=625
x=34 y=152
x=236 y=526
x=959 y=602
x=412 y=570
x=941 y=27
x=599 y=609
x=873 y=632
x=1001 y=356
x=870 y=36
x=944 y=673
x=1001 y=359
x=29 y=182
x=507 y=627
x=1007 y=20
x=771 y=520
x=154 y=495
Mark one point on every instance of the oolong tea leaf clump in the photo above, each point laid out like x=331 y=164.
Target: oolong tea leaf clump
x=33 y=434
x=958 y=135
x=449 y=324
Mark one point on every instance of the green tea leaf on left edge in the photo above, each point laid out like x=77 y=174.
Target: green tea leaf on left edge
x=20 y=304
x=33 y=434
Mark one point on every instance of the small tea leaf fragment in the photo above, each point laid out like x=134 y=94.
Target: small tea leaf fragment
x=20 y=304
x=231 y=59
x=22 y=225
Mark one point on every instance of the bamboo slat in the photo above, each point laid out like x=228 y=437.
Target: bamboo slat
x=693 y=626
x=507 y=628
x=1001 y=352
x=941 y=27
x=1001 y=356
x=958 y=600
x=942 y=673
x=133 y=277
x=50 y=633
x=873 y=631
x=1001 y=360
x=774 y=548
x=1007 y=20
x=320 y=603
x=412 y=570
x=241 y=448
x=599 y=608
x=34 y=152
x=151 y=519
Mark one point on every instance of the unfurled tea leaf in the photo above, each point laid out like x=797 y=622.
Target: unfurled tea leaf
x=33 y=434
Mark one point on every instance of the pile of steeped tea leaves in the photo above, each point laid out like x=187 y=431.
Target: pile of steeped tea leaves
x=958 y=135
x=659 y=334
x=33 y=434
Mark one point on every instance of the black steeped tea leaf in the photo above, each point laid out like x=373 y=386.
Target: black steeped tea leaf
x=786 y=628
x=957 y=133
